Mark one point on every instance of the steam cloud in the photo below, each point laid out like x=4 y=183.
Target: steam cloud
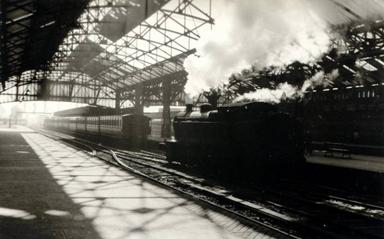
x=285 y=90
x=268 y=32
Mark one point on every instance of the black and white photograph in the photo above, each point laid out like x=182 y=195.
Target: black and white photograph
x=191 y=119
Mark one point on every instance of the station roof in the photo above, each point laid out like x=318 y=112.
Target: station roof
x=32 y=30
x=128 y=42
x=87 y=50
x=91 y=50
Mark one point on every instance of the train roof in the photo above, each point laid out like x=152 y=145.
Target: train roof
x=84 y=111
x=92 y=110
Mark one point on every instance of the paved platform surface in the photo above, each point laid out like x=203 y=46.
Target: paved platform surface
x=361 y=162
x=50 y=190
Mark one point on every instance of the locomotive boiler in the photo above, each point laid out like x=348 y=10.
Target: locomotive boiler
x=244 y=135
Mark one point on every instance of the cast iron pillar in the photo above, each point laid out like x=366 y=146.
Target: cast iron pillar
x=117 y=101
x=43 y=91
x=138 y=139
x=139 y=95
x=166 y=90
x=17 y=88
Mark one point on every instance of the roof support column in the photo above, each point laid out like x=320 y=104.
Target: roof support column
x=166 y=100
x=137 y=141
x=17 y=88
x=139 y=96
x=44 y=91
x=117 y=101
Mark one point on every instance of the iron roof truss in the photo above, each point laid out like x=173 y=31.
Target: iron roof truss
x=31 y=31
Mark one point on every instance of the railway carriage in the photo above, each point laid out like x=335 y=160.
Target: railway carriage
x=130 y=127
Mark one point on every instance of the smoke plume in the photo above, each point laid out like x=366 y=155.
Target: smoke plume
x=268 y=32
x=285 y=90
x=282 y=91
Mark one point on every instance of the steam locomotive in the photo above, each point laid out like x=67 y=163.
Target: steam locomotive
x=244 y=135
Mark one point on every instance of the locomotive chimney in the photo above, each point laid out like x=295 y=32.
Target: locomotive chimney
x=205 y=108
x=188 y=108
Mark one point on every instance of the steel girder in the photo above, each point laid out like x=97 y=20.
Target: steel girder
x=357 y=53
x=99 y=62
x=153 y=90
x=31 y=31
x=150 y=50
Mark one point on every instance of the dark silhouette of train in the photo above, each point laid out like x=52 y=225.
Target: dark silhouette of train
x=132 y=128
x=105 y=121
x=245 y=136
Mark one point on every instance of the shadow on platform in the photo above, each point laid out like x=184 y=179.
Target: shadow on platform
x=32 y=204
x=50 y=190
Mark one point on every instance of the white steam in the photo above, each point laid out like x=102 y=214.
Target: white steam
x=250 y=32
x=264 y=33
x=285 y=90
x=319 y=79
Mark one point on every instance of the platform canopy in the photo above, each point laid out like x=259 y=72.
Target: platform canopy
x=101 y=51
x=31 y=32
x=86 y=51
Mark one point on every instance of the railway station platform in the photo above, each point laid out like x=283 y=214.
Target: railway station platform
x=51 y=190
x=354 y=161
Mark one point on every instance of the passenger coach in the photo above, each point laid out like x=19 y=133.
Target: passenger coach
x=130 y=127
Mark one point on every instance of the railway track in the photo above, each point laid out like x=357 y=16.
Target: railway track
x=322 y=211
x=287 y=217
x=188 y=186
